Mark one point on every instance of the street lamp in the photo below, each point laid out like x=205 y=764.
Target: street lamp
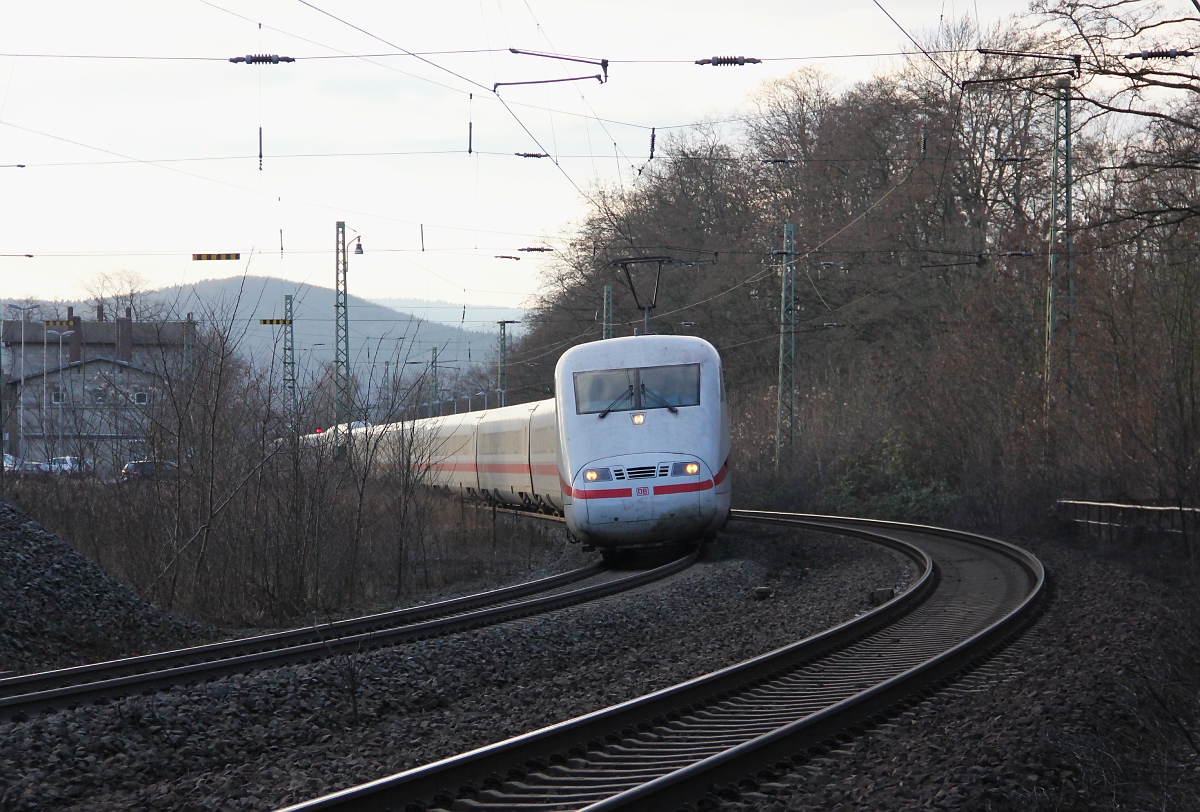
x=24 y=311
x=484 y=394
x=467 y=398
x=62 y=392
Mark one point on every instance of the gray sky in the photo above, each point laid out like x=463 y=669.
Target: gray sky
x=136 y=164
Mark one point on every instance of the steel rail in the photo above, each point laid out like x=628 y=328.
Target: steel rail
x=312 y=644
x=211 y=652
x=657 y=751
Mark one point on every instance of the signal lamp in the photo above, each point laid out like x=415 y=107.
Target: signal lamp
x=639 y=418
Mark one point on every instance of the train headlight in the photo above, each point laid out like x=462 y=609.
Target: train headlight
x=685 y=469
x=639 y=418
x=597 y=475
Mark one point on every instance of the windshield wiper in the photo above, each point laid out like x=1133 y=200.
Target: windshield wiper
x=628 y=393
x=659 y=398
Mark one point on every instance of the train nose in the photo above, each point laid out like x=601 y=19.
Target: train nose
x=645 y=496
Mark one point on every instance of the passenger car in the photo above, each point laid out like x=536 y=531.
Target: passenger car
x=69 y=466
x=149 y=469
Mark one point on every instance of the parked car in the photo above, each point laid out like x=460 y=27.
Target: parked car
x=70 y=466
x=29 y=468
x=149 y=469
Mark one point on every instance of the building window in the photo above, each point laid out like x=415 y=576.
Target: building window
x=58 y=396
x=141 y=398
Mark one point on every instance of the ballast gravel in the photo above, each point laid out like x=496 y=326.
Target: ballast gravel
x=58 y=609
x=1097 y=706
x=268 y=739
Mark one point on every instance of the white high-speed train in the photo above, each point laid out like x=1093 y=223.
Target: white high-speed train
x=633 y=451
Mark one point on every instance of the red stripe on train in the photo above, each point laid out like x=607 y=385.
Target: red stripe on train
x=495 y=468
x=686 y=487
x=606 y=493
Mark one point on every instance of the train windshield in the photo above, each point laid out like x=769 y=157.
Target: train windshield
x=623 y=390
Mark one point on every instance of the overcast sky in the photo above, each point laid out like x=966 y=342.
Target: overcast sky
x=137 y=163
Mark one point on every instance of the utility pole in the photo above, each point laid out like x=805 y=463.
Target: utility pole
x=435 y=394
x=189 y=343
x=608 y=314
x=289 y=359
x=24 y=311
x=341 y=334
x=1059 y=241
x=502 y=363
x=785 y=413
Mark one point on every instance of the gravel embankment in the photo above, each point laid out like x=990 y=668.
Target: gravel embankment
x=280 y=736
x=58 y=609
x=1096 y=707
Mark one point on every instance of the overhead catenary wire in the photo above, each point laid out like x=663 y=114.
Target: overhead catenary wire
x=454 y=52
x=424 y=54
x=747 y=159
x=133 y=160
x=802 y=255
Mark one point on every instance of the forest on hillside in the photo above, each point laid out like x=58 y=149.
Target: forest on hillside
x=922 y=203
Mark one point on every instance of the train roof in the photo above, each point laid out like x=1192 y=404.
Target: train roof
x=637 y=351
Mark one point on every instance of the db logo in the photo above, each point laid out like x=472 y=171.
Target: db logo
x=643 y=491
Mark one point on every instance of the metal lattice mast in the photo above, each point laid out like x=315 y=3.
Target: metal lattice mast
x=1059 y=241
x=341 y=332
x=289 y=358
x=608 y=316
x=785 y=416
x=502 y=364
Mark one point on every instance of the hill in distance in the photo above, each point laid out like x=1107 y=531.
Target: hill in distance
x=377 y=333
x=467 y=316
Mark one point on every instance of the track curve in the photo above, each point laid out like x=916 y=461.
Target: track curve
x=658 y=751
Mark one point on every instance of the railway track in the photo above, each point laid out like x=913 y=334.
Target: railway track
x=755 y=718
x=24 y=695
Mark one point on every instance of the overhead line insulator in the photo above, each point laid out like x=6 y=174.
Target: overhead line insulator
x=1169 y=53
x=261 y=59
x=532 y=154
x=728 y=60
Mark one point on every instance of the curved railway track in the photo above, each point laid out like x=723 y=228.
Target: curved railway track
x=667 y=748
x=22 y=696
